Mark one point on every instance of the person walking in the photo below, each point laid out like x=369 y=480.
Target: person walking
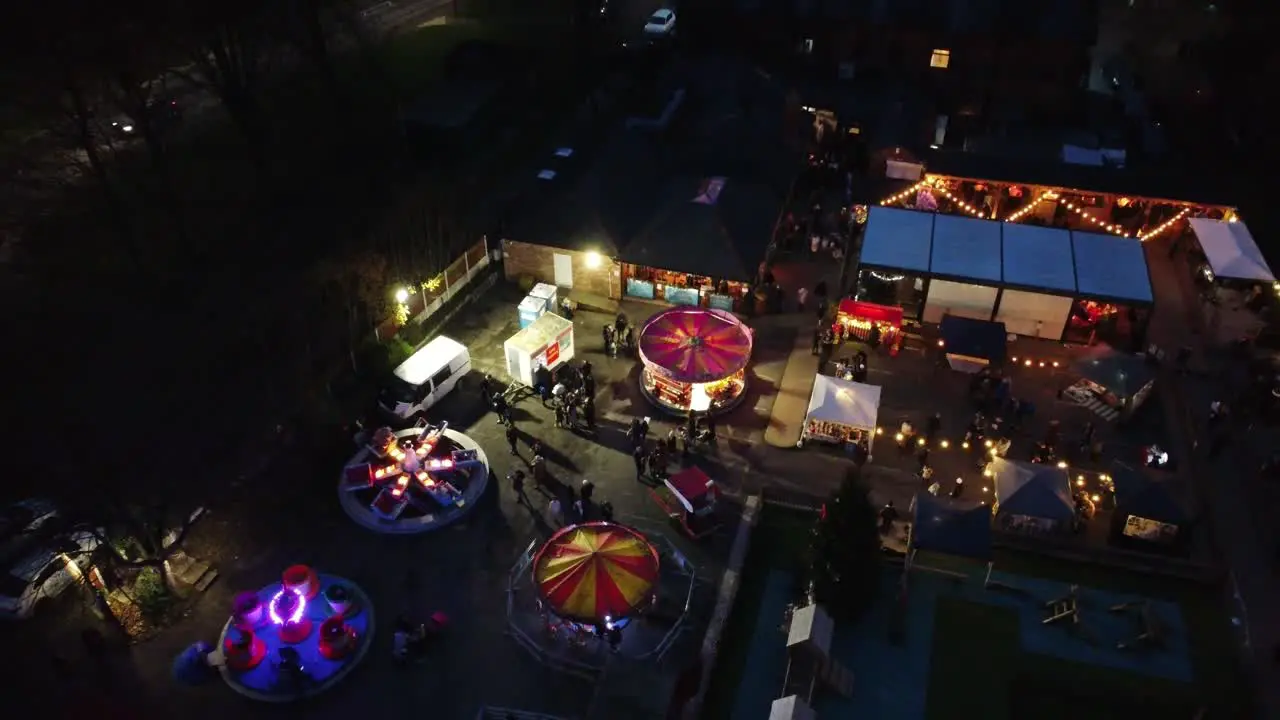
x=513 y=436
x=560 y=415
x=556 y=511
x=606 y=334
x=638 y=455
x=633 y=432
x=586 y=489
x=817 y=338
x=606 y=511
x=644 y=430
x=486 y=390
x=500 y=407
x=802 y=298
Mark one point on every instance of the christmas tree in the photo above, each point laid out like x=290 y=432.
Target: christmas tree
x=845 y=551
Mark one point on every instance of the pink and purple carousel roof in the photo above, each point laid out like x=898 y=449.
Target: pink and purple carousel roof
x=695 y=345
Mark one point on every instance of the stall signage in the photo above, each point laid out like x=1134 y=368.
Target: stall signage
x=553 y=354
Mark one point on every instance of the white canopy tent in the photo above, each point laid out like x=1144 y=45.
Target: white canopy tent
x=837 y=404
x=1231 y=250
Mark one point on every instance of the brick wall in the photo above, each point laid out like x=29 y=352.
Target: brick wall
x=538 y=262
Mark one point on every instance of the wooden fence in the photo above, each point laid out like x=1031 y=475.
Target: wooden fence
x=427 y=299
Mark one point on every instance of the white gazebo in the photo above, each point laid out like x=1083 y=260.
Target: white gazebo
x=842 y=410
x=1231 y=250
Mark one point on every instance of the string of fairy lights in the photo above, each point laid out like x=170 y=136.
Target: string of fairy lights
x=1101 y=481
x=974 y=211
x=1165 y=225
x=1078 y=210
x=1022 y=212
x=900 y=196
x=1027 y=209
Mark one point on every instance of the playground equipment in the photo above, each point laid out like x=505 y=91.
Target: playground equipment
x=1064 y=609
x=1150 y=632
x=809 y=654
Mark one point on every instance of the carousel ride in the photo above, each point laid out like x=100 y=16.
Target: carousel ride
x=694 y=360
x=595 y=589
x=413 y=480
x=296 y=638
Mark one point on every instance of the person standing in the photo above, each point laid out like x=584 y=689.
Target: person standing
x=587 y=489
x=556 y=511
x=486 y=390
x=513 y=436
x=500 y=407
x=606 y=334
x=638 y=455
x=817 y=338
x=802 y=298
x=644 y=430
x=589 y=413
x=517 y=487
x=560 y=415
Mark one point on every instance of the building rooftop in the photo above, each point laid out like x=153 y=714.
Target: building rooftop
x=701 y=195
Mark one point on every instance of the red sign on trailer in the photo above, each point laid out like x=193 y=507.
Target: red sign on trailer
x=553 y=354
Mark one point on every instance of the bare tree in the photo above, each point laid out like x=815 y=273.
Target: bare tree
x=229 y=47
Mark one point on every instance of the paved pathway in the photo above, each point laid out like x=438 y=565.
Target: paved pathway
x=791 y=404
x=1241 y=529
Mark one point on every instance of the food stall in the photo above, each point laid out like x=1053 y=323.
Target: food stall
x=694 y=360
x=548 y=342
x=841 y=411
x=689 y=497
x=855 y=319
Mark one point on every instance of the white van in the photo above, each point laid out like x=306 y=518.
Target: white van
x=428 y=375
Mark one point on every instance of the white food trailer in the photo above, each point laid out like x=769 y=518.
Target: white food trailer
x=548 y=341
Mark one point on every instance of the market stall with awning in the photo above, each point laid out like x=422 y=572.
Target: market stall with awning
x=965 y=268
x=1231 y=250
x=1039 y=280
x=1031 y=499
x=1113 y=290
x=971 y=345
x=1147 y=515
x=894 y=260
x=857 y=319
x=842 y=411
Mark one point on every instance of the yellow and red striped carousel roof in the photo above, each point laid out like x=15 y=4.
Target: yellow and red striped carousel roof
x=595 y=571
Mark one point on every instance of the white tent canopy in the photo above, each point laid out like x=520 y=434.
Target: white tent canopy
x=844 y=402
x=1231 y=250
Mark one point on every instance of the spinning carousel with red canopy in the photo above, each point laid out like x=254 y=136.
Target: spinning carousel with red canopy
x=596 y=573
x=694 y=360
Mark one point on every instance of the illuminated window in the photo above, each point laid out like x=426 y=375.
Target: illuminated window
x=940 y=59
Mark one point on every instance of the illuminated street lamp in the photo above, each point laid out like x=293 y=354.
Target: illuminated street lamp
x=402 y=296
x=593 y=260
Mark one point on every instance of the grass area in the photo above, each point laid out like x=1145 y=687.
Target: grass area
x=978 y=670
x=779 y=542
x=1219 y=685
x=976 y=649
